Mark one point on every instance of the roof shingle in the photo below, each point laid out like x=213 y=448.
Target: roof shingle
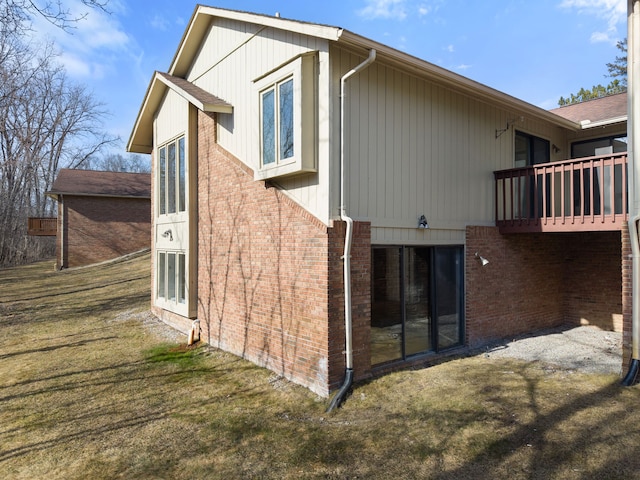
x=97 y=183
x=596 y=110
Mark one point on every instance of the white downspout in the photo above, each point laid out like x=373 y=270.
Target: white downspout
x=633 y=139
x=347 y=243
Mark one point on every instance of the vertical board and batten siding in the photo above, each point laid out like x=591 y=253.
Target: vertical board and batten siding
x=416 y=147
x=173 y=120
x=232 y=56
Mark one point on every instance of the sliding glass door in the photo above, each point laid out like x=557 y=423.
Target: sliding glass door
x=417 y=301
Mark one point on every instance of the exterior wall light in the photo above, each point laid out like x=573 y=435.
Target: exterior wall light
x=482 y=260
x=422 y=222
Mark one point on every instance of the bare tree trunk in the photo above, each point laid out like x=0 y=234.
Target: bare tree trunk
x=46 y=123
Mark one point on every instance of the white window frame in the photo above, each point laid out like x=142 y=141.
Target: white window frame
x=302 y=72
x=176 y=193
x=171 y=285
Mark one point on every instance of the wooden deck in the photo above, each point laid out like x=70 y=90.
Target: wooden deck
x=42 y=226
x=583 y=194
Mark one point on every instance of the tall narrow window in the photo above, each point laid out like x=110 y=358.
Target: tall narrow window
x=182 y=286
x=286 y=119
x=161 y=274
x=162 y=182
x=171 y=277
x=181 y=176
x=172 y=177
x=268 y=127
x=278 y=127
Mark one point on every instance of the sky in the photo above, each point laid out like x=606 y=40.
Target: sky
x=536 y=50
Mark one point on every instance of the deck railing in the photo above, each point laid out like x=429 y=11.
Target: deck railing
x=42 y=226
x=583 y=194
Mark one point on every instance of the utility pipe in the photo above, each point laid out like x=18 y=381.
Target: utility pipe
x=633 y=153
x=348 y=330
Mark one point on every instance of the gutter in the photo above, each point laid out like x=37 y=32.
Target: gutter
x=348 y=326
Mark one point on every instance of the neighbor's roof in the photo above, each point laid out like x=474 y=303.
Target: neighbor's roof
x=597 y=112
x=141 y=139
x=101 y=184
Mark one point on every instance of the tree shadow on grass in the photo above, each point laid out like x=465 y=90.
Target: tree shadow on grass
x=533 y=451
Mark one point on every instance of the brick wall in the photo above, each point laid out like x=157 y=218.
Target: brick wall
x=627 y=299
x=593 y=279
x=262 y=269
x=102 y=228
x=535 y=281
x=360 y=302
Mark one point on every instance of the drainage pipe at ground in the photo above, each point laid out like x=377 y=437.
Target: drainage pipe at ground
x=348 y=329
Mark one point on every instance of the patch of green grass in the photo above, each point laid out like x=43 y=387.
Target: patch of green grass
x=181 y=355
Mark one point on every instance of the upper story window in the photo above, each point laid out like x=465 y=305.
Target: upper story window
x=599 y=146
x=277 y=123
x=172 y=177
x=287 y=106
x=531 y=150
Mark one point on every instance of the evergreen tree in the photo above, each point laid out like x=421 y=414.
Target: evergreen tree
x=617 y=71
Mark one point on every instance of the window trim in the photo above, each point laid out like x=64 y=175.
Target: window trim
x=163 y=284
x=179 y=177
x=302 y=71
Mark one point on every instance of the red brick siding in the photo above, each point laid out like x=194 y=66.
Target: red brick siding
x=262 y=269
x=360 y=302
x=593 y=279
x=535 y=281
x=102 y=228
x=627 y=299
x=59 y=239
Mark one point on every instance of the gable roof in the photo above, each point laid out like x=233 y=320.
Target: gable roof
x=101 y=184
x=597 y=112
x=141 y=140
x=141 y=136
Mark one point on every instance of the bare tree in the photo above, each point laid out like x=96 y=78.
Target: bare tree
x=46 y=123
x=116 y=162
x=16 y=14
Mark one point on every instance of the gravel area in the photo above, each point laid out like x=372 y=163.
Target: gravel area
x=585 y=349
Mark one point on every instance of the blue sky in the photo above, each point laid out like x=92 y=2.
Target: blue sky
x=534 y=50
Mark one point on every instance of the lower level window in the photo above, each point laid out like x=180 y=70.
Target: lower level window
x=416 y=301
x=171 y=277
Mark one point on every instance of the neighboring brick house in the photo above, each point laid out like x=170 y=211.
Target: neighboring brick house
x=275 y=143
x=101 y=215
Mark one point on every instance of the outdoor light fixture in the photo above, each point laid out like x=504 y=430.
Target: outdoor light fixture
x=482 y=260
x=510 y=123
x=422 y=222
x=168 y=234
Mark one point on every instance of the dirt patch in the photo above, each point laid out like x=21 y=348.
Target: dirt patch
x=585 y=349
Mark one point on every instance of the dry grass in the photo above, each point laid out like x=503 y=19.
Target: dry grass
x=90 y=387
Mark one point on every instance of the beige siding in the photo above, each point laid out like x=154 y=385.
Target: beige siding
x=416 y=147
x=233 y=55
x=173 y=119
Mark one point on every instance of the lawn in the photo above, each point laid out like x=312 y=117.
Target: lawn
x=93 y=387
